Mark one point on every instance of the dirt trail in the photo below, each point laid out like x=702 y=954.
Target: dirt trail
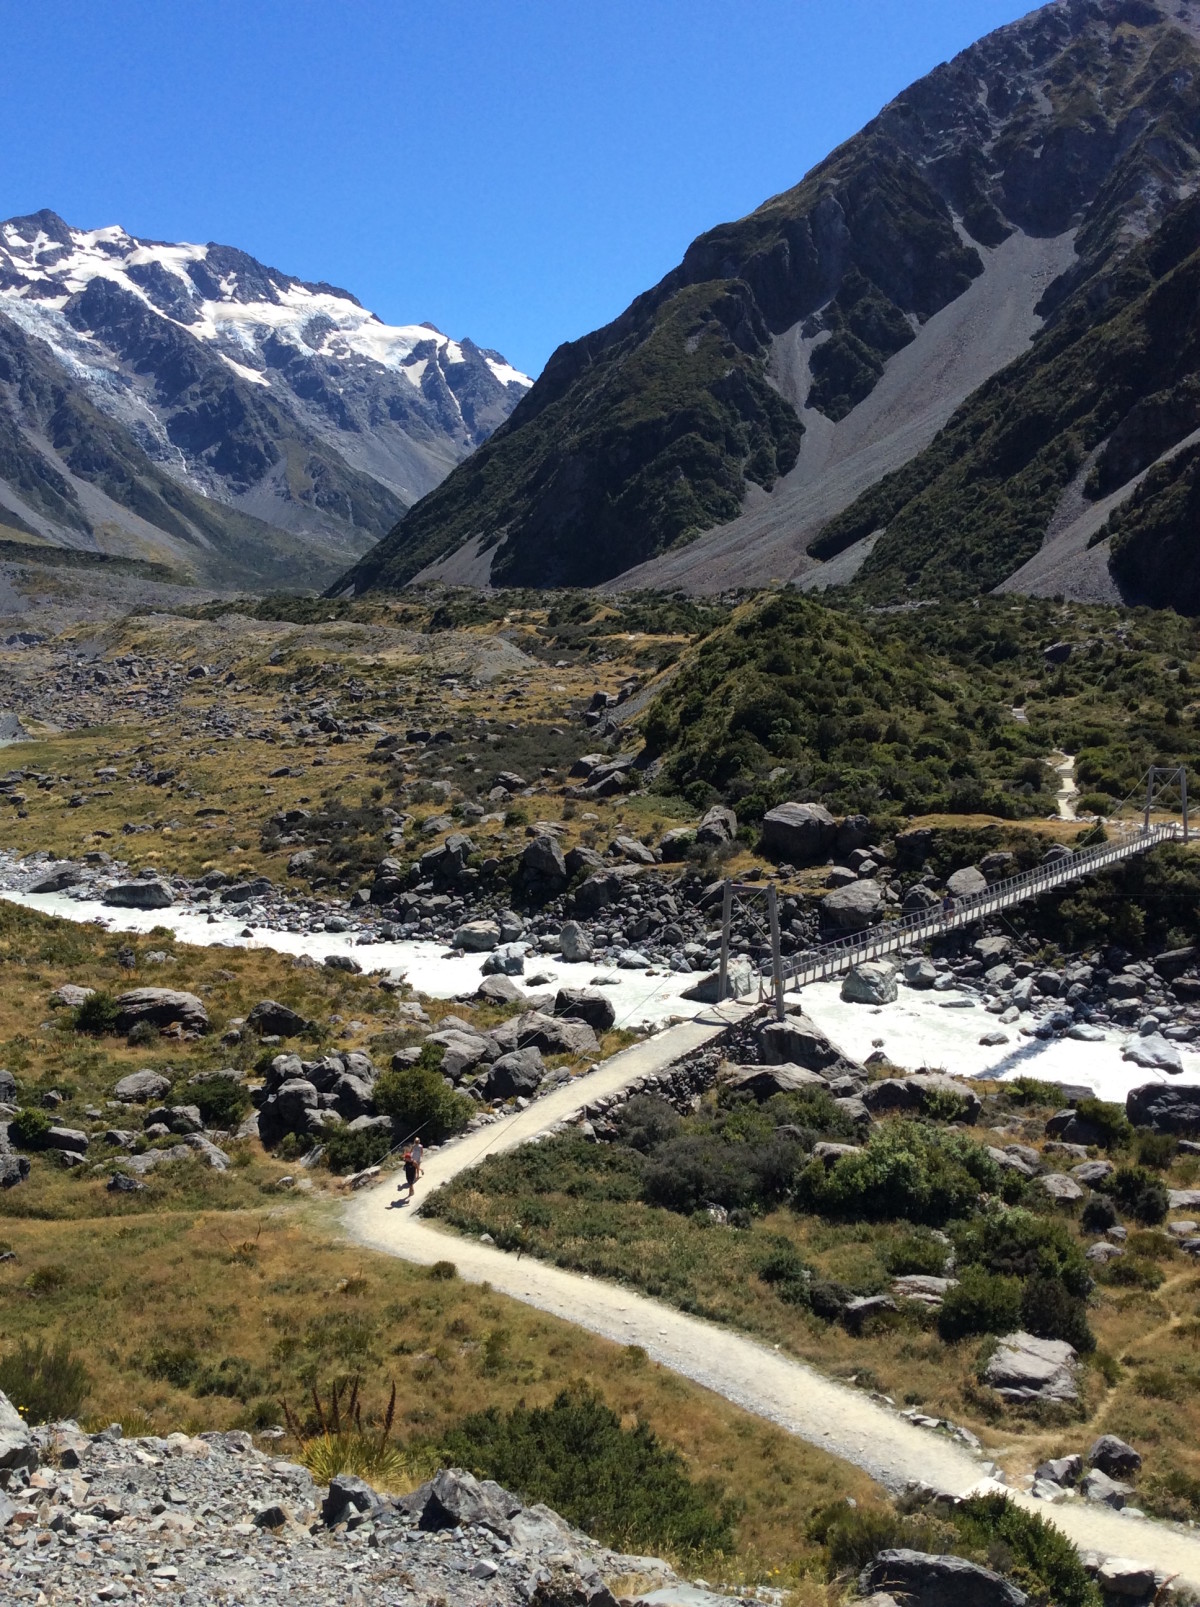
x=742 y=1370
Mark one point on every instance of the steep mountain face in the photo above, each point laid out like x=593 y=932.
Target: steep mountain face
x=798 y=357
x=188 y=404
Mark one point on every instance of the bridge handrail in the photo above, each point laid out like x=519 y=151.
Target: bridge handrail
x=839 y=955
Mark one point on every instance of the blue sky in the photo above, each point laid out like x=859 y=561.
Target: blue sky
x=512 y=170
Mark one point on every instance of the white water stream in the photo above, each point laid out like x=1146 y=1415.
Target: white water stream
x=921 y=1029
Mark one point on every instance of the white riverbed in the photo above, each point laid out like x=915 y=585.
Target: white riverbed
x=917 y=1030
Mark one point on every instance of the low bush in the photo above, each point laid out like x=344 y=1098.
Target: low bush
x=46 y=1383
x=1132 y=1272
x=981 y=1303
x=907 y=1170
x=419 y=1100
x=1050 y=1311
x=916 y=1253
x=347 y=1152
x=619 y=1484
x=28 y=1129
x=1109 y=1119
x=1098 y=1214
x=787 y=1272
x=1036 y=1556
x=1138 y=1193
x=1154 y=1150
x=221 y=1102
x=645 y=1123
x=1023 y=1245
x=97 y=1015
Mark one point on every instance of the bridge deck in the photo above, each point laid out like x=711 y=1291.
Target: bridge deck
x=831 y=959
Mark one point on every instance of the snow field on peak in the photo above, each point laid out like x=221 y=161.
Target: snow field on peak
x=344 y=329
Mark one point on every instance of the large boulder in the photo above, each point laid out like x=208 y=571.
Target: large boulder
x=1165 y=1110
x=151 y=894
x=801 y=833
x=1114 y=1457
x=272 y=1020
x=797 y=1041
x=575 y=944
x=58 y=880
x=852 y=908
x=967 y=882
x=287 y=1110
x=740 y=978
x=872 y=982
x=18 y=1448
x=924 y=1093
x=461 y=1051
x=605 y=888
x=543 y=862
x=586 y=1004
x=921 y=1579
x=161 y=1007
x=476 y=937
x=140 y=1087
x=456 y=1498
x=1024 y=1370
x=762 y=1082
x=718 y=827
x=547 y=1033
x=519 y=1072
x=1155 y=1053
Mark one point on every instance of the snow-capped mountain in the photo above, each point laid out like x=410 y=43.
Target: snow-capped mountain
x=279 y=400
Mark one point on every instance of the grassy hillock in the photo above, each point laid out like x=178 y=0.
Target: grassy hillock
x=913 y=712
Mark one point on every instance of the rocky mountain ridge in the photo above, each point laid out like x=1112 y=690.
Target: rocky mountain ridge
x=187 y=404
x=707 y=437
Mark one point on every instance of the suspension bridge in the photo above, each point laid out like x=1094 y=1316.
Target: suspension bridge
x=842 y=954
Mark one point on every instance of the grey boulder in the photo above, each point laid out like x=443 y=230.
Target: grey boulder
x=966 y=883
x=923 y=1580
x=801 y=833
x=140 y=1087
x=586 y=1004
x=872 y=982
x=1114 y=1457
x=161 y=1007
x=1165 y=1110
x=576 y=946
x=1024 y=1369
x=147 y=895
x=853 y=908
x=18 y=1448
x=272 y=1020
x=519 y=1072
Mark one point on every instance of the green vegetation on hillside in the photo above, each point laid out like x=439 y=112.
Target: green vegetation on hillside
x=1122 y=368
x=913 y=712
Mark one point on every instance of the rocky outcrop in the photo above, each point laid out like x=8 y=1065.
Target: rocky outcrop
x=1024 y=1370
x=162 y=1008
x=923 y=1580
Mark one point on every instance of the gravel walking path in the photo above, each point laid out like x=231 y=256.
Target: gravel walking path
x=753 y=1376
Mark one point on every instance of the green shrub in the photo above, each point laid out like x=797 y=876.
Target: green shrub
x=854 y=1536
x=1137 y=1192
x=698 y=1169
x=45 y=1383
x=221 y=1102
x=1050 y=1311
x=1155 y=1150
x=646 y=1122
x=1111 y=1120
x=347 y=1152
x=1036 y=1555
x=916 y=1253
x=785 y=1270
x=1132 y=1272
x=29 y=1127
x=173 y=1361
x=907 y=1170
x=97 y=1015
x=981 y=1303
x=1098 y=1214
x=1021 y=1244
x=619 y=1484
x=419 y=1100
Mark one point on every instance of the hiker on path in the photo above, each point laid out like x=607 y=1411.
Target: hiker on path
x=418 y=1155
x=410 y=1171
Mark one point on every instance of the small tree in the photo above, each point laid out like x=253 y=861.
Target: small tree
x=420 y=1101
